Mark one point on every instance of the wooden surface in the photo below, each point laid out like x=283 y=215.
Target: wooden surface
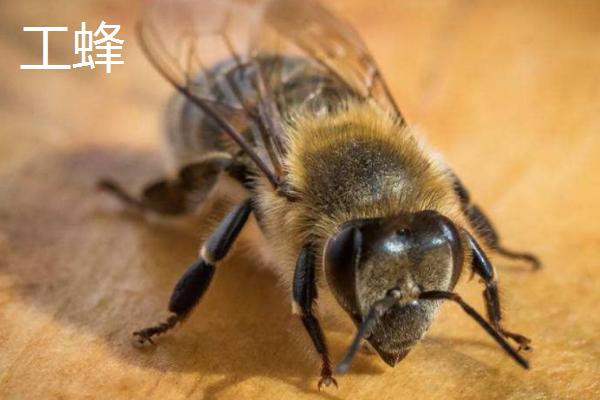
x=508 y=91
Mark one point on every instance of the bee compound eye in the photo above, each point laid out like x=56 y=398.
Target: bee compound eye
x=344 y=248
x=342 y=259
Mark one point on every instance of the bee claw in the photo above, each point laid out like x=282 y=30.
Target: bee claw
x=327 y=381
x=140 y=339
x=522 y=341
x=526 y=348
x=145 y=335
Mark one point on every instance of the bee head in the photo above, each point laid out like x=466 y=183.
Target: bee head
x=381 y=266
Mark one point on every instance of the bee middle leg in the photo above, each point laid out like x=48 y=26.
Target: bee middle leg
x=482 y=224
x=483 y=268
x=304 y=293
x=178 y=195
x=195 y=281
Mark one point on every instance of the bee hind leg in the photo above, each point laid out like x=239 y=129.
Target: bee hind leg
x=304 y=293
x=197 y=278
x=178 y=195
x=482 y=224
x=483 y=268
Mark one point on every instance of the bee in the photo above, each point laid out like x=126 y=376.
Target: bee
x=352 y=205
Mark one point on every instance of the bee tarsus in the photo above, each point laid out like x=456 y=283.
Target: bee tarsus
x=482 y=266
x=197 y=278
x=145 y=335
x=327 y=379
x=304 y=293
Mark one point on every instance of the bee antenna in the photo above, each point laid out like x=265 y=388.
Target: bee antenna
x=442 y=295
x=377 y=310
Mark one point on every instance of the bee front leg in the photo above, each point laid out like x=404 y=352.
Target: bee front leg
x=195 y=281
x=483 y=267
x=304 y=293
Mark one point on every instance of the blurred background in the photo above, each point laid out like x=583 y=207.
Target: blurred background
x=508 y=92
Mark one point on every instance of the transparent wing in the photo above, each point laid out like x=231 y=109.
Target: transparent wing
x=202 y=49
x=188 y=41
x=333 y=43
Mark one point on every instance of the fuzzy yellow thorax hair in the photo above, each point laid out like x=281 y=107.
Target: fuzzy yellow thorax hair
x=352 y=120
x=327 y=158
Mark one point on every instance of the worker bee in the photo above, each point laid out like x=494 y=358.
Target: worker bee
x=351 y=204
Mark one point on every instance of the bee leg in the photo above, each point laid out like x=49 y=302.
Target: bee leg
x=482 y=224
x=176 y=196
x=195 y=281
x=304 y=293
x=163 y=197
x=483 y=267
